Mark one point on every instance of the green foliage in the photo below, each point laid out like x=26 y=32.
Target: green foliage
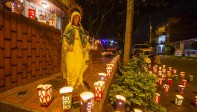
x=169 y=50
x=136 y=86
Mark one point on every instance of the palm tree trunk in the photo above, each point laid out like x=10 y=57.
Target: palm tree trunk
x=128 y=30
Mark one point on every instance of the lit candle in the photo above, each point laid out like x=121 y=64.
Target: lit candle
x=179 y=100
x=184 y=82
x=87 y=103
x=45 y=94
x=102 y=76
x=157 y=98
x=66 y=93
x=182 y=74
x=109 y=71
x=120 y=103
x=99 y=90
x=181 y=89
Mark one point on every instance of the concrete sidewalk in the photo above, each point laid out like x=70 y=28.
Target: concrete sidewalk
x=25 y=98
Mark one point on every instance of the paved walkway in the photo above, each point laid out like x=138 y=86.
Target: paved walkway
x=25 y=98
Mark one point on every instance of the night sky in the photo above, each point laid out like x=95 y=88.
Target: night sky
x=143 y=28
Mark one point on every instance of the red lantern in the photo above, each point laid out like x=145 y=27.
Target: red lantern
x=165 y=88
x=160 y=82
x=168 y=73
x=184 y=82
x=159 y=73
x=170 y=82
x=182 y=74
x=32 y=13
x=102 y=76
x=181 y=89
x=157 y=98
x=98 y=90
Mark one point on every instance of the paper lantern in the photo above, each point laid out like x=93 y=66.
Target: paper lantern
x=164 y=66
x=160 y=68
x=184 y=82
x=110 y=65
x=165 y=88
x=45 y=94
x=120 y=103
x=66 y=93
x=190 y=78
x=109 y=71
x=87 y=103
x=149 y=66
x=181 y=89
x=175 y=77
x=174 y=71
x=164 y=70
x=102 y=76
x=195 y=100
x=160 y=73
x=32 y=13
x=164 y=76
x=170 y=82
x=137 y=110
x=170 y=69
x=150 y=72
x=99 y=90
x=169 y=73
x=179 y=100
x=182 y=74
x=157 y=98
x=160 y=80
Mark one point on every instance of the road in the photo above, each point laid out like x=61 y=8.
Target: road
x=168 y=99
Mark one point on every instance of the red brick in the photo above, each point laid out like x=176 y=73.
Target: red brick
x=33 y=69
x=33 y=78
x=13 y=39
x=7 y=66
x=13 y=57
x=13 y=22
x=1 y=57
x=7 y=24
x=29 y=31
x=19 y=28
x=14 y=84
x=33 y=56
x=19 y=82
x=24 y=56
x=24 y=36
x=1 y=17
x=19 y=65
x=28 y=48
x=8 y=84
x=33 y=42
x=14 y=77
x=24 y=73
x=37 y=74
x=37 y=49
x=19 y=49
x=33 y=29
x=2 y=88
x=1 y=39
x=29 y=60
x=7 y=49
x=24 y=25
x=2 y=82
x=24 y=81
x=37 y=63
x=2 y=75
x=29 y=76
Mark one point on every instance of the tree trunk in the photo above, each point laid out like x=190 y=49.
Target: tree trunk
x=128 y=30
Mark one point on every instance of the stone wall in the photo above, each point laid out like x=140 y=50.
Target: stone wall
x=29 y=50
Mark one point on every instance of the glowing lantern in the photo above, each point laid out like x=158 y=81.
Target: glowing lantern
x=159 y=73
x=179 y=100
x=145 y=69
x=160 y=68
x=164 y=66
x=181 y=89
x=149 y=66
x=170 y=69
x=170 y=82
x=157 y=98
x=150 y=72
x=164 y=70
x=168 y=73
x=99 y=90
x=110 y=65
x=184 y=82
x=160 y=81
x=190 y=77
x=66 y=93
x=120 y=103
x=164 y=76
x=102 y=76
x=109 y=71
x=175 y=77
x=87 y=103
x=174 y=71
x=182 y=74
x=32 y=13
x=137 y=110
x=45 y=94
x=196 y=100
x=165 y=88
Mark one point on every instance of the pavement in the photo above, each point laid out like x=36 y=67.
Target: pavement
x=25 y=98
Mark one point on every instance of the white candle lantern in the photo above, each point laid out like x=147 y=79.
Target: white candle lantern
x=109 y=71
x=66 y=93
x=164 y=66
x=160 y=68
x=45 y=94
x=159 y=73
x=137 y=110
x=190 y=77
x=170 y=69
x=184 y=82
x=102 y=76
x=87 y=103
x=99 y=90
x=120 y=103
x=181 y=89
x=110 y=65
x=160 y=81
x=179 y=100
x=157 y=98
x=174 y=71
x=165 y=88
x=164 y=70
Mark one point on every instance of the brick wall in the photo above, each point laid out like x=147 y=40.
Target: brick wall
x=29 y=50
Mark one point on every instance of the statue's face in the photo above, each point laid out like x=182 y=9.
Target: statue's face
x=76 y=19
